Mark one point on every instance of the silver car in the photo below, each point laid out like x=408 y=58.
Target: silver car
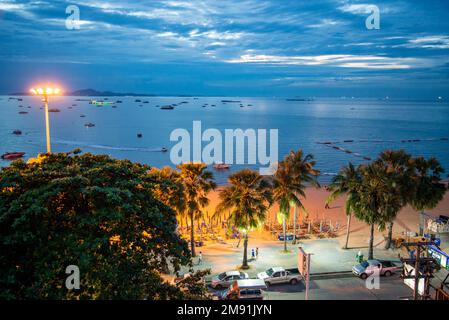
x=225 y=279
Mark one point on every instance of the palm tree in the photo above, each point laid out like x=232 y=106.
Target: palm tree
x=247 y=197
x=289 y=184
x=429 y=190
x=397 y=166
x=377 y=200
x=304 y=172
x=197 y=183
x=169 y=189
x=346 y=182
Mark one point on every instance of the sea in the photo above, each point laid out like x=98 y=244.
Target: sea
x=335 y=131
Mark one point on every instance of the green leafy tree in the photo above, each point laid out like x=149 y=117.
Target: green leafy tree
x=197 y=182
x=91 y=211
x=247 y=197
x=169 y=189
x=347 y=182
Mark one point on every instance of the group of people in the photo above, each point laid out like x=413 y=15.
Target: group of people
x=255 y=253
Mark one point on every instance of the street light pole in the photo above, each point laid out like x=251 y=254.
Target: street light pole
x=45 y=93
x=47 y=124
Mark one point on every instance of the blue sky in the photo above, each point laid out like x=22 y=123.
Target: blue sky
x=229 y=47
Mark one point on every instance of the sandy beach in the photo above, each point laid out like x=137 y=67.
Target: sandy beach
x=406 y=221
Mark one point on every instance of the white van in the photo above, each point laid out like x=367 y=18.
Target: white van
x=245 y=289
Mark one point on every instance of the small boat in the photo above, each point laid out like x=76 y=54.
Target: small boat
x=167 y=108
x=221 y=166
x=145 y=102
x=54 y=110
x=114 y=107
x=137 y=100
x=118 y=101
x=139 y=135
x=12 y=155
x=164 y=149
x=82 y=116
x=89 y=125
x=23 y=112
x=17 y=132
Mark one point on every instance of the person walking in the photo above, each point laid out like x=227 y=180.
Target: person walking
x=200 y=258
x=257 y=253
x=253 y=254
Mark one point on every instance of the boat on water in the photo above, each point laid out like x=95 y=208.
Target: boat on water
x=54 y=110
x=164 y=149
x=167 y=107
x=231 y=101
x=23 y=112
x=17 y=132
x=12 y=155
x=100 y=103
x=89 y=125
x=221 y=166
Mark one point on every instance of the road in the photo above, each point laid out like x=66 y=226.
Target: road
x=341 y=288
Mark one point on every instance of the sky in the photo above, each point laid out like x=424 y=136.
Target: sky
x=295 y=48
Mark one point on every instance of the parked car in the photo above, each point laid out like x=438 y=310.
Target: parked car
x=367 y=268
x=277 y=275
x=245 y=289
x=225 y=279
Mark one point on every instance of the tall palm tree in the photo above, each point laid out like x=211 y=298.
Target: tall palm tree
x=377 y=200
x=399 y=173
x=304 y=172
x=346 y=182
x=289 y=184
x=197 y=182
x=248 y=197
x=429 y=189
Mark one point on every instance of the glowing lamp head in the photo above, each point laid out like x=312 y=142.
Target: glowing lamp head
x=48 y=91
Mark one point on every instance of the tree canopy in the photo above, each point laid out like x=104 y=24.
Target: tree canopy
x=91 y=211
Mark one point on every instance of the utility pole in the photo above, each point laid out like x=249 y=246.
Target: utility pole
x=417 y=267
x=428 y=267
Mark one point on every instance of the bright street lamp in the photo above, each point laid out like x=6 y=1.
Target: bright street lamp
x=45 y=93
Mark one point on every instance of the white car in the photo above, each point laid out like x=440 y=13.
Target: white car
x=367 y=268
x=225 y=279
x=277 y=275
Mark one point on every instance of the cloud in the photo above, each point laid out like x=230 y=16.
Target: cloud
x=429 y=42
x=337 y=60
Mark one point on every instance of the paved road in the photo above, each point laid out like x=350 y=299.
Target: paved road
x=341 y=288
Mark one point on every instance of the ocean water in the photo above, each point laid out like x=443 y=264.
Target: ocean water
x=364 y=127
